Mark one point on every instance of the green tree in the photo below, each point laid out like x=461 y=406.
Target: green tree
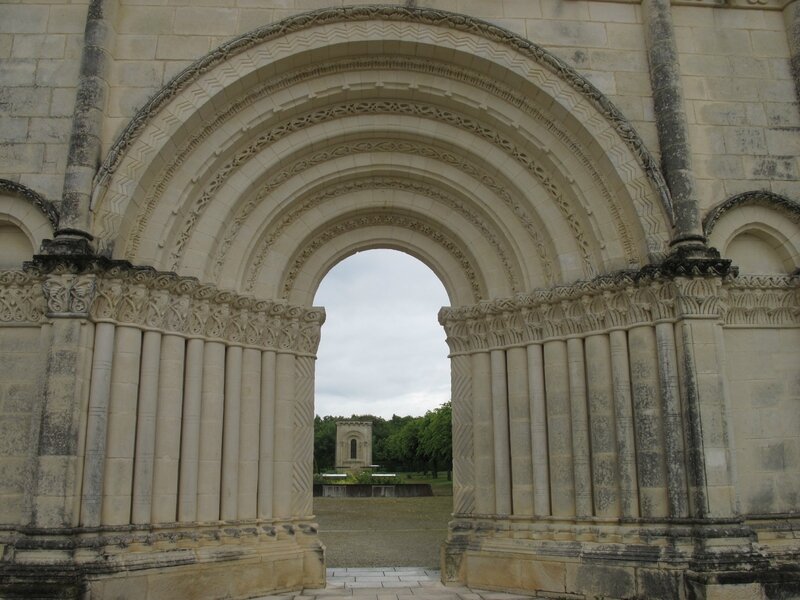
x=436 y=440
x=324 y=443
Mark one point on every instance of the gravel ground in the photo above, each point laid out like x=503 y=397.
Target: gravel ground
x=383 y=532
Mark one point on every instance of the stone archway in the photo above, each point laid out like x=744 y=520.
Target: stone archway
x=295 y=146
x=588 y=453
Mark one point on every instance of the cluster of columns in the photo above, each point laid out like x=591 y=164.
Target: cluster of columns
x=194 y=430
x=582 y=427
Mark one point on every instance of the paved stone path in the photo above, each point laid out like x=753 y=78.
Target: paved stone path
x=391 y=583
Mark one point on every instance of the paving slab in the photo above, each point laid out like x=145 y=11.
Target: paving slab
x=392 y=583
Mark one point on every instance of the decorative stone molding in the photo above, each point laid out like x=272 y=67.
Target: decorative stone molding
x=21 y=298
x=390 y=183
x=409 y=14
x=415 y=109
x=763 y=300
x=21 y=191
x=69 y=295
x=384 y=220
x=781 y=204
x=529 y=223
x=116 y=291
x=621 y=300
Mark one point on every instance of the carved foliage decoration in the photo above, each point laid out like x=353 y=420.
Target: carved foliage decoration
x=21 y=298
x=620 y=301
x=115 y=291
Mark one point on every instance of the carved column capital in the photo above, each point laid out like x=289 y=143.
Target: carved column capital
x=69 y=295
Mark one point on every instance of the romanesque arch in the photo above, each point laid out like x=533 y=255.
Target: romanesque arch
x=592 y=452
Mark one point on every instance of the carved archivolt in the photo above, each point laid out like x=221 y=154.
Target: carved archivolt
x=395 y=14
x=420 y=110
x=383 y=183
x=780 y=204
x=383 y=220
x=21 y=191
x=532 y=226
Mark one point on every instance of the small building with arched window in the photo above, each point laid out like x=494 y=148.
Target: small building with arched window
x=353 y=444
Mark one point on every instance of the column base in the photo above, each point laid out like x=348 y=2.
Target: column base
x=596 y=559
x=221 y=560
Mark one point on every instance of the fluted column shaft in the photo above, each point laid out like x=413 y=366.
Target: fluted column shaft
x=483 y=433
x=146 y=428
x=168 y=424
x=96 y=431
x=520 y=432
x=190 y=437
x=539 y=443
x=121 y=442
x=229 y=497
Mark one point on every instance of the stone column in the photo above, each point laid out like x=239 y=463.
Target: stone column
x=502 y=453
x=483 y=433
x=700 y=346
x=303 y=452
x=190 y=435
x=671 y=122
x=648 y=426
x=673 y=420
x=85 y=144
x=209 y=469
x=559 y=429
x=520 y=432
x=539 y=443
x=146 y=428
x=266 y=452
x=623 y=420
x=463 y=454
x=600 y=396
x=97 y=425
x=168 y=424
x=791 y=15
x=248 y=434
x=580 y=428
x=68 y=362
x=229 y=499
x=118 y=476
x=284 y=435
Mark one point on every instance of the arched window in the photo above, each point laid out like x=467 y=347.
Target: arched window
x=353 y=449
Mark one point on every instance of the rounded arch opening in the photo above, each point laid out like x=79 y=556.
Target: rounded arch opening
x=382 y=350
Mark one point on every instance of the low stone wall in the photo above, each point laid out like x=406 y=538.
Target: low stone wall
x=368 y=490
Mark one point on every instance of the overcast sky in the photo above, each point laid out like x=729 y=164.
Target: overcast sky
x=382 y=352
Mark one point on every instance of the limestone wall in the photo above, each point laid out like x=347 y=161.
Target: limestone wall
x=740 y=98
x=764 y=384
x=20 y=372
x=40 y=54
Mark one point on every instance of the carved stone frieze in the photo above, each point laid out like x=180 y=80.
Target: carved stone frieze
x=116 y=291
x=69 y=295
x=21 y=298
x=763 y=300
x=621 y=300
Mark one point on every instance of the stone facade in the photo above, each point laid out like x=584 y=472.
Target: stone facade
x=353 y=444
x=180 y=176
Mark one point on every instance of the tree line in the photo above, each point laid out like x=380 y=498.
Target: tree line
x=402 y=444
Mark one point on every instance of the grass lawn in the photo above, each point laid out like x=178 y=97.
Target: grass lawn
x=440 y=485
x=383 y=532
